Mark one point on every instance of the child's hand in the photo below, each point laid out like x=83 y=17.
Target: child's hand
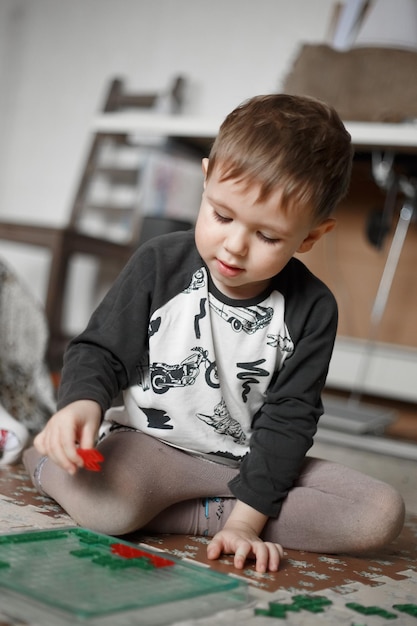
x=240 y=536
x=244 y=543
x=74 y=426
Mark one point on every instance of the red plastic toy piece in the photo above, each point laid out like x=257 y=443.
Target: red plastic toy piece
x=92 y=459
x=128 y=552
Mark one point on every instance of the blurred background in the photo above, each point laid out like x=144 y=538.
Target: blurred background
x=57 y=62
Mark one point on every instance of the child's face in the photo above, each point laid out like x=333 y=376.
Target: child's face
x=244 y=241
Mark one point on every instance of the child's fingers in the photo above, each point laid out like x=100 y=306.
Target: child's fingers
x=267 y=555
x=214 y=549
x=88 y=436
x=262 y=556
x=275 y=554
x=243 y=550
x=60 y=448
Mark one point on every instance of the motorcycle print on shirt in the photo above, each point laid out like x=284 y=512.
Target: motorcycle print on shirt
x=164 y=376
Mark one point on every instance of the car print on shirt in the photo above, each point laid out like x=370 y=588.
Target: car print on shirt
x=249 y=319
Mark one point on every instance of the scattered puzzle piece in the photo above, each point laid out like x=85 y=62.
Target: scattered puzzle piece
x=371 y=610
x=409 y=609
x=92 y=459
x=312 y=604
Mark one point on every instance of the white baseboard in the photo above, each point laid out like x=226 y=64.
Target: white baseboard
x=390 y=371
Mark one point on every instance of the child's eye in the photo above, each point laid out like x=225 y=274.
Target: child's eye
x=221 y=218
x=268 y=240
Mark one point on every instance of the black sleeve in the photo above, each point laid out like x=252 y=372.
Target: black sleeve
x=107 y=356
x=98 y=362
x=285 y=425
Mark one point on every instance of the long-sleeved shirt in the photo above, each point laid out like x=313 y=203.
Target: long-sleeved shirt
x=238 y=381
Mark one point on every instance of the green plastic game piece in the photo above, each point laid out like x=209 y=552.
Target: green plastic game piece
x=91 y=538
x=409 y=609
x=89 y=575
x=371 y=610
x=107 y=560
x=85 y=553
x=313 y=604
x=31 y=537
x=263 y=612
x=278 y=610
x=293 y=607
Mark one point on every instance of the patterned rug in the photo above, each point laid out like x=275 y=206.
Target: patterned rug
x=378 y=589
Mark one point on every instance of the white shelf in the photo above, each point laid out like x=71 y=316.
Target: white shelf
x=402 y=137
x=157 y=124
x=384 y=136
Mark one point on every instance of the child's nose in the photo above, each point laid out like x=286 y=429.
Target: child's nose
x=237 y=241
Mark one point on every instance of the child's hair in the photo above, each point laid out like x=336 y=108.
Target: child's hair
x=295 y=143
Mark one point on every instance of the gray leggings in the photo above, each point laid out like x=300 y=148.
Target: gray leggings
x=146 y=484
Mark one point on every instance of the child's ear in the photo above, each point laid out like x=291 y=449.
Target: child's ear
x=204 y=167
x=317 y=233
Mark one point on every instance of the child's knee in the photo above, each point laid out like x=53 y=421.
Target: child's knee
x=394 y=512
x=384 y=519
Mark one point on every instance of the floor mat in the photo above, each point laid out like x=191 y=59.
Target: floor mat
x=349 y=590
x=306 y=571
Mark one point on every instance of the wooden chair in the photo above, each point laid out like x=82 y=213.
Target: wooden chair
x=73 y=239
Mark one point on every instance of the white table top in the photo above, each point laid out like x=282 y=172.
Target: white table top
x=369 y=135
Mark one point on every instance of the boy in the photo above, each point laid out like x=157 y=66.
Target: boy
x=221 y=342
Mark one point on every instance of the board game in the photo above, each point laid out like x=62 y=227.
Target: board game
x=85 y=575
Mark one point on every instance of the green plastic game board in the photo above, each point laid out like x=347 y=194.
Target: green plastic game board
x=87 y=575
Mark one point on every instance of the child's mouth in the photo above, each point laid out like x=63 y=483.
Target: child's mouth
x=228 y=270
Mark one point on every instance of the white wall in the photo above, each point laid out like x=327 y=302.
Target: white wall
x=56 y=57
